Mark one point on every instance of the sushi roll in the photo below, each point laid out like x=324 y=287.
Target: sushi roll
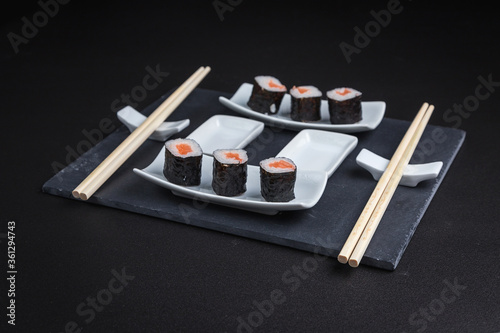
x=306 y=103
x=183 y=162
x=344 y=105
x=229 y=176
x=267 y=94
x=277 y=179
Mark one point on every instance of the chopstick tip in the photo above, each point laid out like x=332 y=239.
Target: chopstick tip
x=342 y=259
x=79 y=195
x=353 y=263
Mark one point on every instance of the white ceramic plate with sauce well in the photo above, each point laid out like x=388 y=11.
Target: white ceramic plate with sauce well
x=317 y=154
x=309 y=188
x=372 y=113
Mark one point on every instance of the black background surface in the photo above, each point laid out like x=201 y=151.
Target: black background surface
x=65 y=79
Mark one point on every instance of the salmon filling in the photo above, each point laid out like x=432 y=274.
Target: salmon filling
x=234 y=156
x=281 y=165
x=345 y=92
x=302 y=90
x=275 y=85
x=183 y=148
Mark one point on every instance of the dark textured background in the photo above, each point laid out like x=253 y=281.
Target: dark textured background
x=66 y=78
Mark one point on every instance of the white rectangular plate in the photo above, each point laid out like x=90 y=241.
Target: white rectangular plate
x=319 y=150
x=309 y=188
x=372 y=113
x=316 y=153
x=221 y=132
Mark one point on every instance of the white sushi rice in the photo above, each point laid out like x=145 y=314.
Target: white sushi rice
x=311 y=92
x=263 y=81
x=221 y=156
x=171 y=145
x=338 y=94
x=265 y=164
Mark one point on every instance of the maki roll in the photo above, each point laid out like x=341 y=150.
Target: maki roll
x=229 y=176
x=267 y=94
x=277 y=179
x=306 y=103
x=344 y=105
x=183 y=162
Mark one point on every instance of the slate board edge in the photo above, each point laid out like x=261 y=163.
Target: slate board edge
x=444 y=171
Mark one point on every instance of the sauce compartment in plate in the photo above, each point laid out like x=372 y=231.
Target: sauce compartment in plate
x=319 y=150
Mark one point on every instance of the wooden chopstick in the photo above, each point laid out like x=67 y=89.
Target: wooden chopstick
x=359 y=227
x=381 y=207
x=114 y=160
x=144 y=126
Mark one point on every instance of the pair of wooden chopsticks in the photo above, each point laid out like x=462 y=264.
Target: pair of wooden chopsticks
x=362 y=233
x=107 y=167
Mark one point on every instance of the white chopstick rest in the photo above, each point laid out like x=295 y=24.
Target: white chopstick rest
x=413 y=173
x=132 y=119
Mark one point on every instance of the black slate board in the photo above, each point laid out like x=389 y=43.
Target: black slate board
x=322 y=229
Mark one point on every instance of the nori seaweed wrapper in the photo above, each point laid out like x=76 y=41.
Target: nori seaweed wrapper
x=345 y=112
x=229 y=179
x=277 y=187
x=185 y=171
x=261 y=100
x=306 y=108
